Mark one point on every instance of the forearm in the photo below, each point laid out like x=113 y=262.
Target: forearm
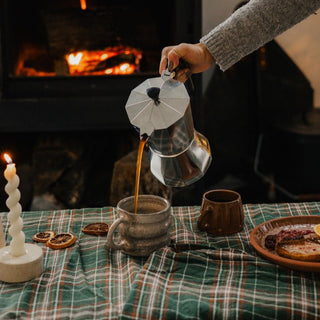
x=253 y=25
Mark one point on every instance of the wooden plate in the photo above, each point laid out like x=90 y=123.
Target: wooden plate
x=259 y=232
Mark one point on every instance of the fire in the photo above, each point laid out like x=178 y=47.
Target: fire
x=74 y=59
x=113 y=60
x=125 y=66
x=7 y=158
x=83 y=4
x=104 y=56
x=118 y=60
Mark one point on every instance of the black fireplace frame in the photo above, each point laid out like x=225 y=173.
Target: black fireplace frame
x=45 y=104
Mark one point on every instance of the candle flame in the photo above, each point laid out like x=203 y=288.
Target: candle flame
x=7 y=158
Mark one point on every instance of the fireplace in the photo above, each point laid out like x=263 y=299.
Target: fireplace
x=66 y=71
x=70 y=65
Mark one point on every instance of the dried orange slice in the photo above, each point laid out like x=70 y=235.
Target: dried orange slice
x=97 y=228
x=316 y=229
x=43 y=236
x=61 y=241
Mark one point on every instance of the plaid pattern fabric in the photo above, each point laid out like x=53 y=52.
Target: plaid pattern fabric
x=198 y=277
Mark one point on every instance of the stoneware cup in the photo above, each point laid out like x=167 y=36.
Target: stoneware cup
x=141 y=233
x=221 y=212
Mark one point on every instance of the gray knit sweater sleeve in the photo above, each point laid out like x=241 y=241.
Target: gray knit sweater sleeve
x=253 y=25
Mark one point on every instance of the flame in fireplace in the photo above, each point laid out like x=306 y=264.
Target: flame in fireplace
x=74 y=59
x=119 y=60
x=113 y=60
x=83 y=4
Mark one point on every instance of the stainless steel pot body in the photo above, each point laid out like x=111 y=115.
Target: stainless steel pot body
x=179 y=155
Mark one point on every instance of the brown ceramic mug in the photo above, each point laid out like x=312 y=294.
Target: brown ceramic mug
x=221 y=212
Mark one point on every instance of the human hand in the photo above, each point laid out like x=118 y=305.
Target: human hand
x=197 y=57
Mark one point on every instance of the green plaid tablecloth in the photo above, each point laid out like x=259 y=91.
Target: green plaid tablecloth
x=219 y=278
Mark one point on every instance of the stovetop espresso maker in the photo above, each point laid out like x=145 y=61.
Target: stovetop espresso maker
x=160 y=108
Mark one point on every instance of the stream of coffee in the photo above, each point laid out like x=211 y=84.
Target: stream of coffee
x=142 y=143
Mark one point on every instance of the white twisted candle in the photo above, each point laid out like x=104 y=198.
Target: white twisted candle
x=17 y=247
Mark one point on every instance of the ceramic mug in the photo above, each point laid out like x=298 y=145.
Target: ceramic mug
x=221 y=212
x=143 y=232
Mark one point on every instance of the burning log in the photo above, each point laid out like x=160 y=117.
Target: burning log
x=116 y=61
x=113 y=60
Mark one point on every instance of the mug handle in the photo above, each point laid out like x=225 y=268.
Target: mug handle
x=110 y=242
x=202 y=224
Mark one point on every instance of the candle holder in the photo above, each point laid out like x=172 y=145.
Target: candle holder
x=21 y=268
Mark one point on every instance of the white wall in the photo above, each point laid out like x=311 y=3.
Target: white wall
x=301 y=42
